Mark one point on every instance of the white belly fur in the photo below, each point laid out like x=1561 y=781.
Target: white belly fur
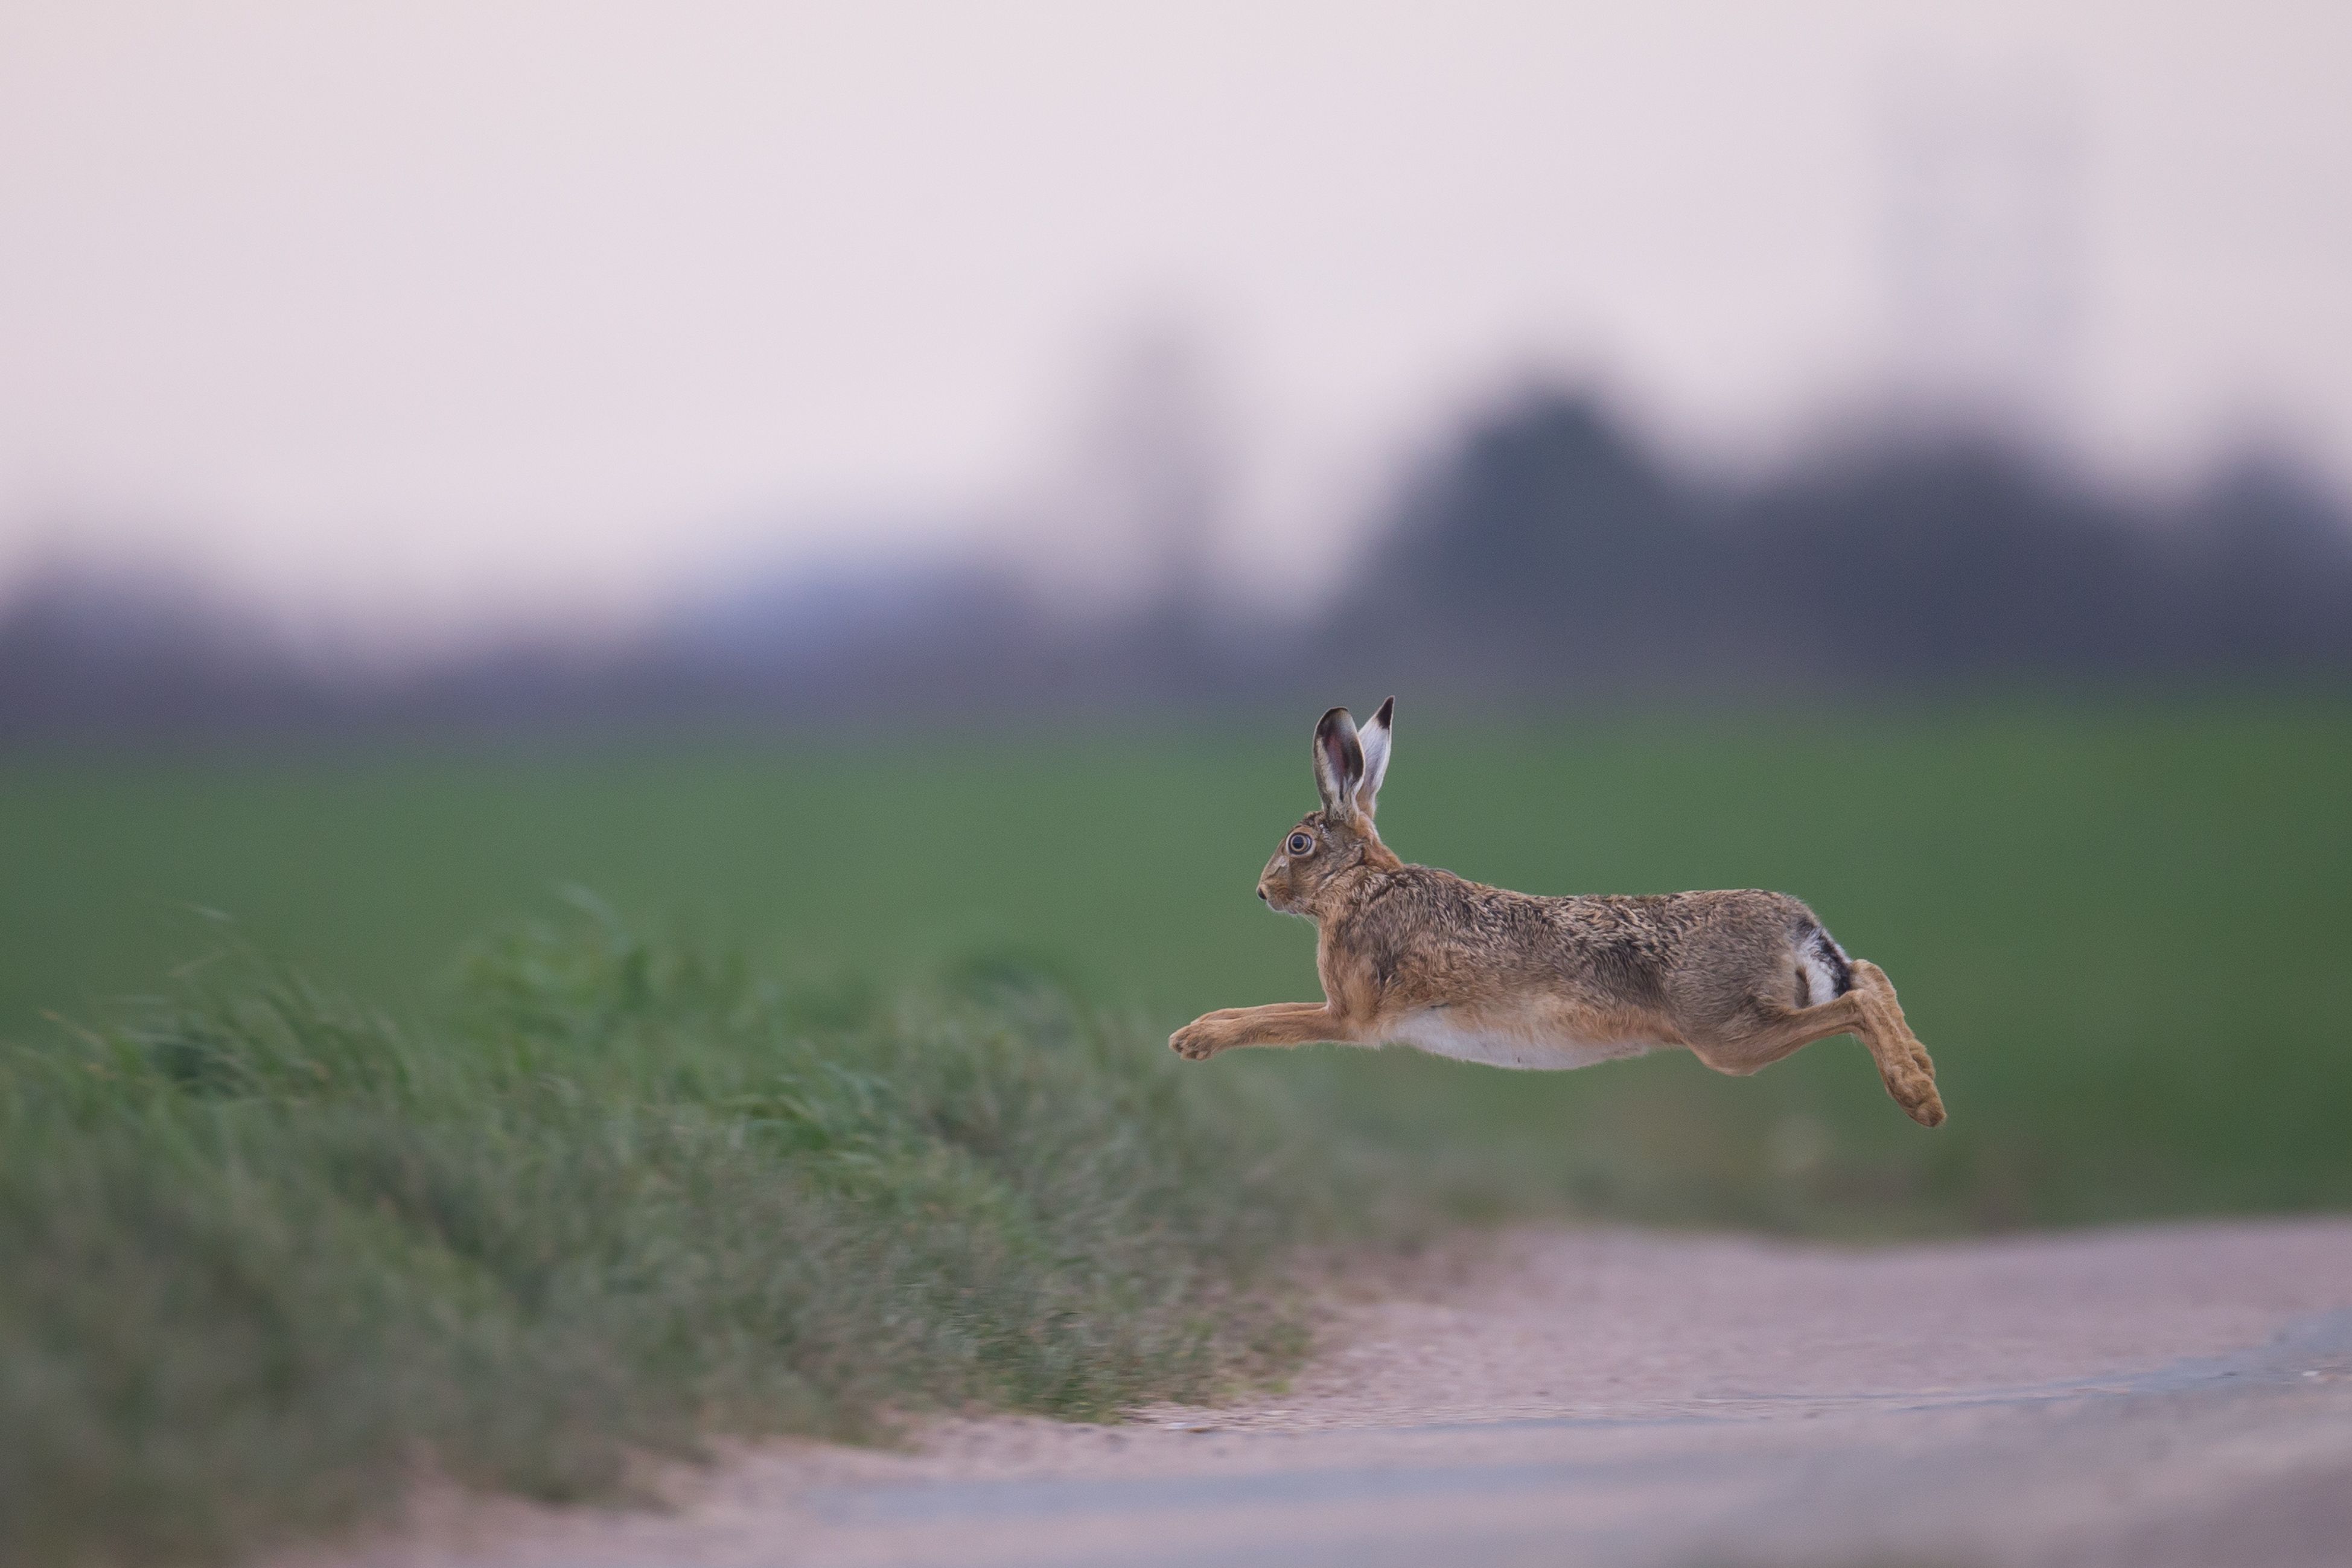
x=1434 y=1033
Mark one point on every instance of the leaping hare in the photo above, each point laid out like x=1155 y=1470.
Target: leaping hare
x=1417 y=955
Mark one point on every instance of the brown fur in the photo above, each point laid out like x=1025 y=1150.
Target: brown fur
x=1544 y=982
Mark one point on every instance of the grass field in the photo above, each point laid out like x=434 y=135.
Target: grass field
x=2122 y=932
x=268 y=1251
x=860 y=1099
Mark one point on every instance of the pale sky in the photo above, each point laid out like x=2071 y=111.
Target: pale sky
x=409 y=312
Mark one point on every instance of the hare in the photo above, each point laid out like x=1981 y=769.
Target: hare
x=1419 y=956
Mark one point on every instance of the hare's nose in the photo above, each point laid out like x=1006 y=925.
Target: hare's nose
x=1261 y=893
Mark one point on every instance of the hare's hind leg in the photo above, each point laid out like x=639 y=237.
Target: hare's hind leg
x=1768 y=1030
x=1903 y=1061
x=1278 y=1024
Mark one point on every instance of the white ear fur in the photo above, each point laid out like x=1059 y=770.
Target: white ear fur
x=1374 y=738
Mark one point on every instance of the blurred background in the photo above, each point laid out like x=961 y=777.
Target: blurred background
x=894 y=486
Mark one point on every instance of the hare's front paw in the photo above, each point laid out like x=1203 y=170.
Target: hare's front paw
x=1193 y=1042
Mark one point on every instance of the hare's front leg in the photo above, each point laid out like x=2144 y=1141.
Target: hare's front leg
x=1279 y=1024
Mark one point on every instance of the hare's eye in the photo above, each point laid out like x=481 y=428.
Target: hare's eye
x=1300 y=844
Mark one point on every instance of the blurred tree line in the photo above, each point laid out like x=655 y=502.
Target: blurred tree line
x=1550 y=549
x=1547 y=554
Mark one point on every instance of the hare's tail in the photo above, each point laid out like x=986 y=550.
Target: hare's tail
x=1824 y=973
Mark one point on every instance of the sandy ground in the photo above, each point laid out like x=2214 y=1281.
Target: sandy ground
x=2174 y=1395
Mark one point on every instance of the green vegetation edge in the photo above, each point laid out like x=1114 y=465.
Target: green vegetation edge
x=271 y=1253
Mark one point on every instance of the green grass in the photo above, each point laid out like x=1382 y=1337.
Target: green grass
x=268 y=1252
x=592 y=1193
x=2122 y=931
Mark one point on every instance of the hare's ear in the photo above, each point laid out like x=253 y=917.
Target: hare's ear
x=1374 y=738
x=1338 y=765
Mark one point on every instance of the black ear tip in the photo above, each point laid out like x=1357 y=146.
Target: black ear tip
x=1387 y=713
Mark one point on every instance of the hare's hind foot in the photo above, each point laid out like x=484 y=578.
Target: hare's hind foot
x=1916 y=1093
x=1908 y=1072
x=1912 y=1082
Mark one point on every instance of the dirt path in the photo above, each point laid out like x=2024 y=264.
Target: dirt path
x=2172 y=1395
